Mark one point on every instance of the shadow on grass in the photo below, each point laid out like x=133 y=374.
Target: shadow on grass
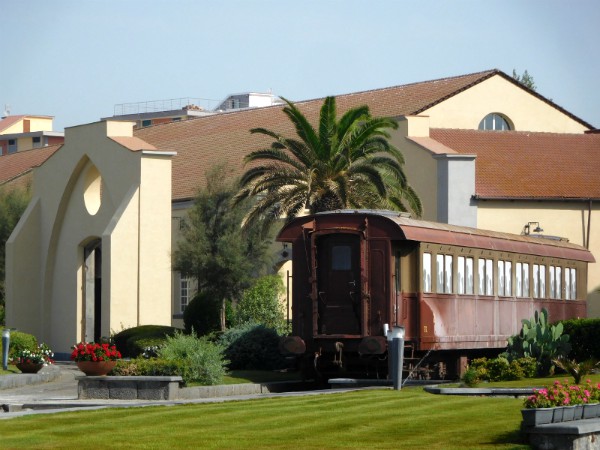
x=260 y=376
x=515 y=438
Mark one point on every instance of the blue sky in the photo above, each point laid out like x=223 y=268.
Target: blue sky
x=76 y=59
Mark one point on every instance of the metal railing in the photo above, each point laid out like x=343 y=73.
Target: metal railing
x=197 y=104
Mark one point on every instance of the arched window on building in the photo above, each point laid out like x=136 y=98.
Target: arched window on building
x=496 y=122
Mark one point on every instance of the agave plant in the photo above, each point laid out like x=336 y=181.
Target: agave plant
x=575 y=369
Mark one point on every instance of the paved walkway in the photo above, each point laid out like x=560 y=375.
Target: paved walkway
x=54 y=390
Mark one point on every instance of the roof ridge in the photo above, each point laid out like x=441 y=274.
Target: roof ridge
x=509 y=132
x=487 y=73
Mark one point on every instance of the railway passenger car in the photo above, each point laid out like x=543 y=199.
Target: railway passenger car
x=459 y=292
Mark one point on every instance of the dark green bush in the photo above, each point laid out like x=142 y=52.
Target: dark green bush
x=252 y=347
x=202 y=314
x=584 y=338
x=132 y=341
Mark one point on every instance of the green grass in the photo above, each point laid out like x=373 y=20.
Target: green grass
x=374 y=419
x=536 y=382
x=260 y=376
x=11 y=370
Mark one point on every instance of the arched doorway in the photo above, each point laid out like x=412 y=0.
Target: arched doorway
x=92 y=291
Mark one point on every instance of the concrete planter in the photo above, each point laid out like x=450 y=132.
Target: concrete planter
x=591 y=410
x=568 y=413
x=129 y=388
x=537 y=416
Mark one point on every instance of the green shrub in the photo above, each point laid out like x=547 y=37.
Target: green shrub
x=528 y=366
x=21 y=341
x=584 y=338
x=205 y=358
x=203 y=314
x=252 y=347
x=500 y=369
x=260 y=304
x=470 y=377
x=497 y=369
x=132 y=341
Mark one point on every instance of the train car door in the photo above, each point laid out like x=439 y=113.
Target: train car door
x=338 y=284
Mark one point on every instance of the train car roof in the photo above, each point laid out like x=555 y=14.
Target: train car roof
x=443 y=233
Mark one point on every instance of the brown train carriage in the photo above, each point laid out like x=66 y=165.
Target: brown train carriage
x=457 y=291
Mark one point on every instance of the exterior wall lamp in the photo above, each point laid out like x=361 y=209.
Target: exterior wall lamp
x=527 y=228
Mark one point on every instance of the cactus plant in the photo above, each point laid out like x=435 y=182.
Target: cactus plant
x=540 y=340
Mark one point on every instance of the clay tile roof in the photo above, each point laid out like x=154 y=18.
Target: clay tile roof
x=17 y=164
x=132 y=143
x=225 y=138
x=521 y=165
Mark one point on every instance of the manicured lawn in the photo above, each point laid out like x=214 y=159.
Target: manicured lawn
x=378 y=419
x=260 y=376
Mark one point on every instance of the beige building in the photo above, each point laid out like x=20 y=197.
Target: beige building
x=18 y=133
x=481 y=150
x=91 y=253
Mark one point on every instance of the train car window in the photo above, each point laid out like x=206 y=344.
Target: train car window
x=341 y=257
x=464 y=272
x=554 y=275
x=444 y=273
x=489 y=277
x=448 y=273
x=539 y=281
x=460 y=275
x=522 y=279
x=508 y=278
x=486 y=276
x=501 y=278
x=426 y=272
x=505 y=278
x=469 y=276
x=570 y=283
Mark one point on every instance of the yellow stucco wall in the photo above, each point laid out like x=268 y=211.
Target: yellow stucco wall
x=497 y=95
x=564 y=219
x=35 y=124
x=93 y=188
x=420 y=169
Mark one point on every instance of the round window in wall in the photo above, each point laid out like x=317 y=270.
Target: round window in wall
x=92 y=190
x=496 y=122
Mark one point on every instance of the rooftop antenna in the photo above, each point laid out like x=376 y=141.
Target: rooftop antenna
x=6 y=110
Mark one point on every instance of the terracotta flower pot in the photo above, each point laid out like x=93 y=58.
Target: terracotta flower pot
x=25 y=367
x=96 y=368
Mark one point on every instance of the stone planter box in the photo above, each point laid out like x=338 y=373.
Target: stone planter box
x=170 y=388
x=129 y=388
x=539 y=416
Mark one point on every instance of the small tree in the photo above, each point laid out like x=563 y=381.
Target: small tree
x=260 y=304
x=215 y=250
x=12 y=205
x=525 y=79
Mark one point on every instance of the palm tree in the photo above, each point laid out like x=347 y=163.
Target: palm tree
x=344 y=164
